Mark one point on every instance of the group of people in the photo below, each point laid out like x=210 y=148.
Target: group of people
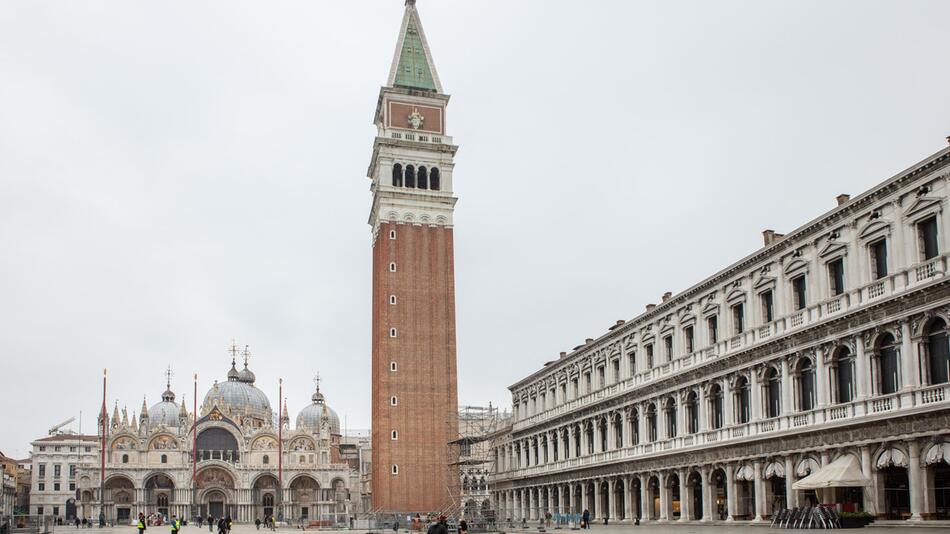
x=268 y=522
x=143 y=523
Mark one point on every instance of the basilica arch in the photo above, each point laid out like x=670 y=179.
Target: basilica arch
x=119 y=498
x=216 y=496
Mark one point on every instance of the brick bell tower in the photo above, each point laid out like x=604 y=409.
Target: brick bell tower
x=415 y=400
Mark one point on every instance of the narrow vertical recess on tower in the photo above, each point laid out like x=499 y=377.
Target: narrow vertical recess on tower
x=411 y=224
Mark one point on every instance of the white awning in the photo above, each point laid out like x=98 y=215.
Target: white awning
x=843 y=472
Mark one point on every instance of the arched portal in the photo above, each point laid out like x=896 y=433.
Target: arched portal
x=159 y=489
x=694 y=485
x=304 y=495
x=118 y=497
x=265 y=495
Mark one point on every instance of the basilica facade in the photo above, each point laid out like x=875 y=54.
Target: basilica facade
x=813 y=370
x=236 y=457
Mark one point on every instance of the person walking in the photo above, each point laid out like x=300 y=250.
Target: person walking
x=463 y=527
x=585 y=519
x=222 y=526
x=141 y=524
x=257 y=523
x=210 y=524
x=439 y=527
x=176 y=524
x=228 y=523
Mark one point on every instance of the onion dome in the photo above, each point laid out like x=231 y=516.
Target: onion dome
x=313 y=415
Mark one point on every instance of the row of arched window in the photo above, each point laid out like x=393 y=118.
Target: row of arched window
x=884 y=379
x=417 y=177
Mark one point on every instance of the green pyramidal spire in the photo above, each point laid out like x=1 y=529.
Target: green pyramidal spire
x=412 y=64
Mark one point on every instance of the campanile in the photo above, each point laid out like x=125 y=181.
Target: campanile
x=414 y=398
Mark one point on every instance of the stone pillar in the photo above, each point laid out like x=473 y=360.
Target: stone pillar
x=703 y=403
x=861 y=369
x=686 y=504
x=869 y=495
x=821 y=379
x=611 y=504
x=914 y=482
x=664 y=496
x=908 y=358
x=583 y=505
x=791 y=496
x=646 y=505
x=708 y=490
x=728 y=416
x=755 y=396
x=730 y=492
x=625 y=428
x=759 y=489
x=787 y=405
x=611 y=437
x=627 y=495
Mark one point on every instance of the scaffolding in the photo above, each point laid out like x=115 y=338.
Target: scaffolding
x=476 y=429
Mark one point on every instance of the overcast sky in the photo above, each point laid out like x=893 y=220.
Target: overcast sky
x=175 y=174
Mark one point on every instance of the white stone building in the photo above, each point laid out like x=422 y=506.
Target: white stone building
x=55 y=463
x=228 y=463
x=826 y=346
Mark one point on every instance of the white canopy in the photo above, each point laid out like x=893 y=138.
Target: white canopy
x=843 y=472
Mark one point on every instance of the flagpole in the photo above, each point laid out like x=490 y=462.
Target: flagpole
x=102 y=455
x=280 y=444
x=194 y=448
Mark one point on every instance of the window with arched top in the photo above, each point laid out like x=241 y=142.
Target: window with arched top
x=843 y=369
x=670 y=414
x=397 y=175
x=410 y=176
x=266 y=459
x=125 y=458
x=651 y=423
x=435 y=179
x=938 y=353
x=602 y=426
x=618 y=431
x=806 y=385
x=692 y=413
x=422 y=178
x=773 y=385
x=634 y=427
x=888 y=365
x=743 y=404
x=164 y=459
x=715 y=404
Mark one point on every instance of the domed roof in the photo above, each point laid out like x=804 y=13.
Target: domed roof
x=312 y=416
x=246 y=375
x=165 y=412
x=238 y=397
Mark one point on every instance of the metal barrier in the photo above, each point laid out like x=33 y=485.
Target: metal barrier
x=808 y=517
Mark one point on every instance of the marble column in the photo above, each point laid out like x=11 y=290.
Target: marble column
x=870 y=496
x=662 y=477
x=861 y=369
x=759 y=489
x=908 y=358
x=730 y=492
x=708 y=491
x=627 y=513
x=646 y=504
x=686 y=504
x=821 y=379
x=914 y=482
x=791 y=495
x=787 y=404
x=611 y=502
